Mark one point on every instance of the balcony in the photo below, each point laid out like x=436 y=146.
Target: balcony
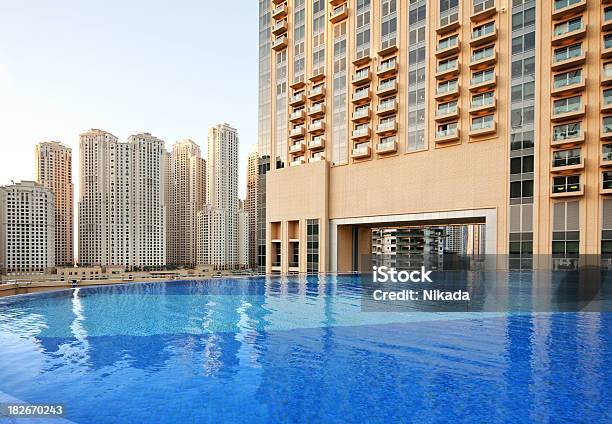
x=317 y=109
x=447 y=135
x=297 y=99
x=562 y=114
x=481 y=130
x=318 y=157
x=362 y=115
x=386 y=147
x=280 y=27
x=387 y=87
x=606 y=20
x=338 y=14
x=606 y=51
x=447 y=69
x=362 y=133
x=483 y=82
x=561 y=62
x=297 y=161
x=606 y=102
x=483 y=59
x=566 y=8
x=606 y=183
x=362 y=76
x=606 y=74
x=447 y=114
x=316 y=93
x=567 y=165
x=279 y=12
x=297 y=132
x=317 y=127
x=388 y=49
x=297 y=115
x=569 y=36
x=297 y=147
x=387 y=68
x=606 y=158
x=569 y=139
x=361 y=152
x=317 y=143
x=559 y=90
x=362 y=96
x=279 y=43
x=447 y=91
x=606 y=129
x=387 y=128
x=482 y=106
x=387 y=108
x=448 y=47
x=483 y=11
x=484 y=36
x=567 y=190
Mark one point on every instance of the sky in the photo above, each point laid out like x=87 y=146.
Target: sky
x=171 y=68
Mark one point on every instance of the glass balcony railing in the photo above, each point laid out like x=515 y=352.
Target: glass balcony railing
x=387 y=65
x=446 y=132
x=566 y=161
x=606 y=155
x=483 y=54
x=447 y=87
x=567 y=132
x=447 y=65
x=484 y=123
x=562 y=4
x=361 y=131
x=361 y=94
x=567 y=27
x=607 y=42
x=606 y=126
x=486 y=99
x=607 y=71
x=607 y=98
x=606 y=182
x=482 y=77
x=567 y=106
x=447 y=43
x=567 y=53
x=483 y=30
x=387 y=85
x=567 y=79
x=361 y=113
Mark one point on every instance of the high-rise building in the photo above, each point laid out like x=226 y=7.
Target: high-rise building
x=243 y=243
x=27 y=228
x=54 y=171
x=250 y=204
x=122 y=201
x=186 y=196
x=415 y=111
x=264 y=128
x=218 y=225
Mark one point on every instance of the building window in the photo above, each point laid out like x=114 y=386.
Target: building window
x=312 y=245
x=388 y=23
x=339 y=126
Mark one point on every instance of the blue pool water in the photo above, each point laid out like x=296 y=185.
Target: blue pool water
x=296 y=350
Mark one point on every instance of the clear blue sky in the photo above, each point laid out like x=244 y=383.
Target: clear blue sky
x=171 y=68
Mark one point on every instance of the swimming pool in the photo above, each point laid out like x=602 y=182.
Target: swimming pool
x=296 y=350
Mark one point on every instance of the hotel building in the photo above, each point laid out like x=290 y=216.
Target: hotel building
x=250 y=205
x=27 y=228
x=186 y=197
x=121 y=201
x=53 y=169
x=376 y=113
x=218 y=224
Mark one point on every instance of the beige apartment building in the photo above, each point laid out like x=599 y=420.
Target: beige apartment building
x=186 y=197
x=121 y=201
x=53 y=169
x=250 y=205
x=435 y=112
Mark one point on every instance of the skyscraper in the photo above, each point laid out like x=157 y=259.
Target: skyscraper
x=121 y=201
x=250 y=205
x=219 y=223
x=186 y=196
x=27 y=228
x=53 y=169
x=387 y=112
